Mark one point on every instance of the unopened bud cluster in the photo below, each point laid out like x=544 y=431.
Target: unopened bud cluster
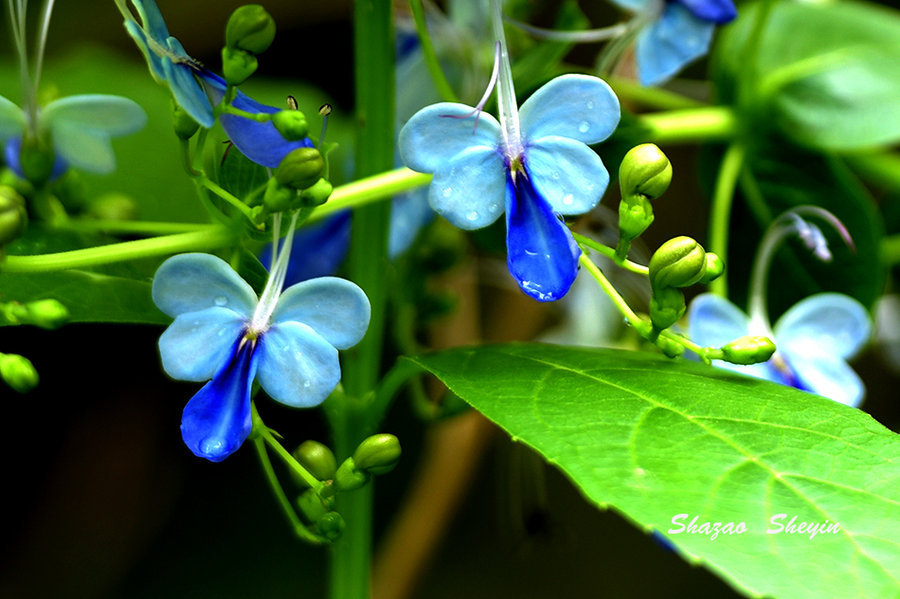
x=644 y=175
x=678 y=263
x=250 y=31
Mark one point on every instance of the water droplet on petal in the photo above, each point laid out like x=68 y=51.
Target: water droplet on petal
x=211 y=446
x=590 y=104
x=568 y=200
x=307 y=384
x=555 y=175
x=584 y=126
x=221 y=300
x=472 y=216
x=447 y=192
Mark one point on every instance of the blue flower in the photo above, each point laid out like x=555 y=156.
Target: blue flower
x=534 y=168
x=815 y=338
x=678 y=32
x=222 y=333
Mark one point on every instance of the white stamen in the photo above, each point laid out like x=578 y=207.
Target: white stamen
x=277 y=274
x=506 y=93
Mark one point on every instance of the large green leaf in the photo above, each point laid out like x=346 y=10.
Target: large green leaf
x=654 y=438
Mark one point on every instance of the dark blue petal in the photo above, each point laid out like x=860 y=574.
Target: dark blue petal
x=260 y=142
x=216 y=421
x=11 y=156
x=541 y=253
x=317 y=251
x=717 y=11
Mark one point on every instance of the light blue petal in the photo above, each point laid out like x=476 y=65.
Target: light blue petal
x=835 y=323
x=83 y=148
x=437 y=133
x=197 y=344
x=260 y=142
x=188 y=92
x=669 y=44
x=577 y=106
x=469 y=189
x=99 y=114
x=717 y=11
x=713 y=321
x=634 y=5
x=542 y=255
x=409 y=213
x=194 y=282
x=297 y=367
x=12 y=120
x=217 y=420
x=567 y=173
x=334 y=308
x=153 y=61
x=151 y=19
x=825 y=374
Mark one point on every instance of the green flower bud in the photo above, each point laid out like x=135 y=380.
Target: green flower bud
x=301 y=168
x=715 y=266
x=311 y=506
x=185 y=125
x=331 y=526
x=316 y=195
x=679 y=262
x=672 y=349
x=47 y=313
x=278 y=197
x=316 y=458
x=377 y=454
x=250 y=28
x=291 y=124
x=13 y=217
x=645 y=171
x=666 y=307
x=348 y=477
x=113 y=206
x=237 y=65
x=635 y=216
x=748 y=350
x=36 y=159
x=18 y=372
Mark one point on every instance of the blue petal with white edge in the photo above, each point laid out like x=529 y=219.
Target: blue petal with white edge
x=835 y=323
x=100 y=114
x=717 y=11
x=297 y=367
x=577 y=106
x=437 y=133
x=566 y=173
x=188 y=92
x=194 y=282
x=825 y=374
x=260 y=142
x=336 y=309
x=541 y=253
x=713 y=321
x=217 y=420
x=669 y=44
x=12 y=120
x=468 y=190
x=196 y=344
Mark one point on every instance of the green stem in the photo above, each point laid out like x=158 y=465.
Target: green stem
x=710 y=123
x=611 y=254
x=209 y=239
x=726 y=183
x=429 y=55
x=369 y=190
x=131 y=227
x=205 y=182
x=655 y=97
x=890 y=249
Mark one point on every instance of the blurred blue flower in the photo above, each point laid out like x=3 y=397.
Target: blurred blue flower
x=222 y=333
x=676 y=33
x=534 y=168
x=815 y=338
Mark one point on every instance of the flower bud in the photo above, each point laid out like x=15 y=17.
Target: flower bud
x=250 y=28
x=237 y=65
x=311 y=505
x=748 y=350
x=47 y=313
x=291 y=124
x=645 y=171
x=715 y=266
x=331 y=526
x=18 y=372
x=672 y=349
x=36 y=159
x=666 y=307
x=377 y=454
x=301 y=168
x=348 y=477
x=635 y=216
x=13 y=217
x=113 y=206
x=185 y=125
x=316 y=195
x=679 y=262
x=316 y=458
x=278 y=197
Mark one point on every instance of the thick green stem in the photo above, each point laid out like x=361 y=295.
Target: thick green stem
x=429 y=55
x=710 y=123
x=370 y=190
x=662 y=99
x=720 y=218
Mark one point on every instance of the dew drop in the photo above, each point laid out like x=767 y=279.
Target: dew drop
x=555 y=175
x=590 y=104
x=447 y=192
x=221 y=300
x=568 y=200
x=584 y=126
x=306 y=384
x=472 y=216
x=211 y=445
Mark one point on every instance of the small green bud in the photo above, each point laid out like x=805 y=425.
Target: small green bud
x=18 y=372
x=672 y=349
x=291 y=124
x=331 y=526
x=36 y=159
x=316 y=458
x=679 y=262
x=311 y=505
x=316 y=195
x=237 y=65
x=348 y=477
x=645 y=171
x=635 y=216
x=185 y=125
x=666 y=307
x=278 y=197
x=13 y=216
x=47 y=313
x=113 y=206
x=748 y=350
x=250 y=28
x=301 y=168
x=715 y=266
x=377 y=454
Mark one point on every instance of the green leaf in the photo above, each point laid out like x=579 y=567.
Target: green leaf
x=654 y=438
x=825 y=74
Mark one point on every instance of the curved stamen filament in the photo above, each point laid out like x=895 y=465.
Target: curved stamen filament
x=479 y=108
